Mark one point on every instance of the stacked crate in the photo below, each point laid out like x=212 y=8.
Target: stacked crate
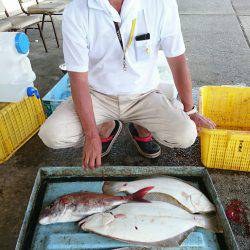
x=228 y=146
x=18 y=123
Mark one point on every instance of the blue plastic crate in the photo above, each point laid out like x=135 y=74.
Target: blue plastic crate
x=59 y=93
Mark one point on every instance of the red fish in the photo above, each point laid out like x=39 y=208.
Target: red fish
x=76 y=206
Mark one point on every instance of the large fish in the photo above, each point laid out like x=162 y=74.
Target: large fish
x=189 y=197
x=150 y=224
x=76 y=206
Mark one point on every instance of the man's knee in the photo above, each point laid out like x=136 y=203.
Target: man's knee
x=183 y=136
x=50 y=136
x=187 y=134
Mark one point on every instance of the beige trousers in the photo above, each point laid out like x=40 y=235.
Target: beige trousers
x=165 y=119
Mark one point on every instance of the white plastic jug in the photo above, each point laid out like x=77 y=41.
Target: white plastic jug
x=16 y=74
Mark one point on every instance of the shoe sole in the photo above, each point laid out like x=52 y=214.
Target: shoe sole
x=150 y=156
x=113 y=141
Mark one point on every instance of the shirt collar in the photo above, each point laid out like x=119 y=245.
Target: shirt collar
x=129 y=10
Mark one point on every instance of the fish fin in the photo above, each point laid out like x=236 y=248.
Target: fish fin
x=209 y=222
x=138 y=196
x=171 y=242
x=175 y=241
x=140 y=200
x=195 y=200
x=165 y=198
x=81 y=222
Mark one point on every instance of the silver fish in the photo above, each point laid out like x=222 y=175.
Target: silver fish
x=149 y=224
x=184 y=194
x=76 y=206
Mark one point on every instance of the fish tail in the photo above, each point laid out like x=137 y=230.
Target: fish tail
x=139 y=195
x=209 y=222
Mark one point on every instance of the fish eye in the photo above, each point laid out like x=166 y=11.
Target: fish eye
x=124 y=185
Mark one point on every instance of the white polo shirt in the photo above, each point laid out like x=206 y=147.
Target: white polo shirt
x=90 y=42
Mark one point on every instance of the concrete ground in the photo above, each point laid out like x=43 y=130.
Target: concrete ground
x=217 y=35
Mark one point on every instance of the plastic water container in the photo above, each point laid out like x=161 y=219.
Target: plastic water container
x=16 y=74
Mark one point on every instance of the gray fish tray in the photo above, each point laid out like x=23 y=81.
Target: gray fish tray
x=52 y=182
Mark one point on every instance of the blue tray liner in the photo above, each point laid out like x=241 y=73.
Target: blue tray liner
x=69 y=236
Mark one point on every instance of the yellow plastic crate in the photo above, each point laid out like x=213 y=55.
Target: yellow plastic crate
x=18 y=123
x=228 y=146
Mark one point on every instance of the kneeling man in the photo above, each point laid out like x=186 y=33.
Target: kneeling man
x=111 y=49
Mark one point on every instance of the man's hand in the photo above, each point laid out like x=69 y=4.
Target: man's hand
x=83 y=104
x=92 y=152
x=202 y=122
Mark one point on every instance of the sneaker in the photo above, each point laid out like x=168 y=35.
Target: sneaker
x=107 y=143
x=147 y=147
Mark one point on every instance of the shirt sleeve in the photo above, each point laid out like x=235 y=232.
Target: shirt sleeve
x=171 y=37
x=75 y=42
